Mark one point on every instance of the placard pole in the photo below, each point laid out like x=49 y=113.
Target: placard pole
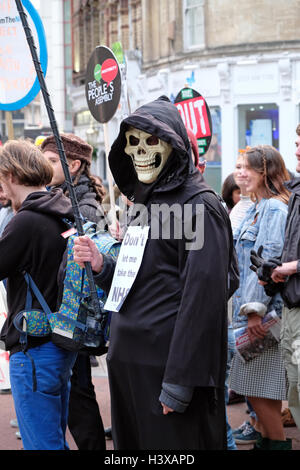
x=9 y=125
x=112 y=211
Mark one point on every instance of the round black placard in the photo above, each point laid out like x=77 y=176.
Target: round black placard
x=103 y=84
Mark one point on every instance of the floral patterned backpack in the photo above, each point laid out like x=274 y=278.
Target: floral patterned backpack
x=73 y=326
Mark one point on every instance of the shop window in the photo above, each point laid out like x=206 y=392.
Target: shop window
x=258 y=125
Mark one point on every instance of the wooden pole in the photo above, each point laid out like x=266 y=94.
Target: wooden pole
x=112 y=211
x=9 y=125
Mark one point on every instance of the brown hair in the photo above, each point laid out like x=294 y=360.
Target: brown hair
x=25 y=162
x=298 y=129
x=228 y=187
x=266 y=160
x=85 y=169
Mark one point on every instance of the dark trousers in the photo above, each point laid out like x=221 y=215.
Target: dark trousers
x=85 y=422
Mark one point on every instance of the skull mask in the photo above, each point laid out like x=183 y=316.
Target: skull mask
x=149 y=154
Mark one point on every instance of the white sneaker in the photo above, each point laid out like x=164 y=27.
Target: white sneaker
x=240 y=429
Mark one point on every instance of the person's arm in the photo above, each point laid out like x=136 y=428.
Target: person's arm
x=286 y=269
x=256 y=295
x=86 y=251
x=103 y=266
x=175 y=397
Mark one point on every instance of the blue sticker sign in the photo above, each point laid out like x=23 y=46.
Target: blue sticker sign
x=19 y=83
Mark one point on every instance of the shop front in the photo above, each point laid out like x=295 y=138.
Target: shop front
x=252 y=102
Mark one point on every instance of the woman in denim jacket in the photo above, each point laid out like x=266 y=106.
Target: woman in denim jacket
x=263 y=379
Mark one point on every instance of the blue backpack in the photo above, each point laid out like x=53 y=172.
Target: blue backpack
x=73 y=327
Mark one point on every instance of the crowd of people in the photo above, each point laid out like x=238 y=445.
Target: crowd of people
x=172 y=357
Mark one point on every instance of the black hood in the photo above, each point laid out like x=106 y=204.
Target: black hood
x=52 y=203
x=162 y=119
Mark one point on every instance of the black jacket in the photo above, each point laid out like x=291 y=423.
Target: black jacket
x=32 y=242
x=175 y=316
x=291 y=249
x=89 y=207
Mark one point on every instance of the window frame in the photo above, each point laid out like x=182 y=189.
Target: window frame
x=186 y=9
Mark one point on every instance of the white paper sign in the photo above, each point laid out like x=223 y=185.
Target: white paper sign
x=127 y=267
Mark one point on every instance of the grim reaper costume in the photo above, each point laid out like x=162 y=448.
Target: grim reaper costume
x=168 y=343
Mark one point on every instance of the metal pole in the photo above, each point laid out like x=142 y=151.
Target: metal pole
x=60 y=147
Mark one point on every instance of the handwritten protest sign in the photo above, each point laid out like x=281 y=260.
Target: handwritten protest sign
x=19 y=84
x=128 y=265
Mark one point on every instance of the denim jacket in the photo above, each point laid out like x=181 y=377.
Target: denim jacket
x=264 y=224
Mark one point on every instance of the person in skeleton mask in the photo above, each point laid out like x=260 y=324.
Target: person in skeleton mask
x=168 y=343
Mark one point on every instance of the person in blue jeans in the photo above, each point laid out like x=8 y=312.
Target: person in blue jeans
x=32 y=242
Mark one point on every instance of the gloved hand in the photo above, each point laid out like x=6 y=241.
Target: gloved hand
x=262 y=267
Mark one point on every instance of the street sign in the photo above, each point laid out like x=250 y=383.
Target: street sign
x=196 y=116
x=103 y=84
x=19 y=84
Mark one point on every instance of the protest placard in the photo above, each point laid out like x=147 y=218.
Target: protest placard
x=128 y=265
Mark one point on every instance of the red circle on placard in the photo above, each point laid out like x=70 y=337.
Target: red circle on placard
x=109 y=70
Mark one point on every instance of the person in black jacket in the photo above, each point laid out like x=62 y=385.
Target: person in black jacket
x=286 y=279
x=31 y=242
x=168 y=342
x=85 y=422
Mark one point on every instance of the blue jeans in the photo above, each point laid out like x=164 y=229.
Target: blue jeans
x=42 y=414
x=231 y=445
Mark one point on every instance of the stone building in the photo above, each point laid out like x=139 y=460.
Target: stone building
x=242 y=56
x=102 y=22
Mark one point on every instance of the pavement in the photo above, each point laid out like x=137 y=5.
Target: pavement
x=8 y=441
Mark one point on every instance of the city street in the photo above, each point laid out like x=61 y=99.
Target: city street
x=8 y=441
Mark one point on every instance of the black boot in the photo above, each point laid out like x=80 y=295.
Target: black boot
x=280 y=445
x=262 y=443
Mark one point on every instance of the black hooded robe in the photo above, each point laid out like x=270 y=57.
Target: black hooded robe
x=172 y=326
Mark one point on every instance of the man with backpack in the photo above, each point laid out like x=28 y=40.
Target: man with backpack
x=85 y=422
x=32 y=244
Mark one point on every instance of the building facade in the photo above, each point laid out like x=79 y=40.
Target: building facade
x=103 y=22
x=57 y=19
x=33 y=120
x=242 y=57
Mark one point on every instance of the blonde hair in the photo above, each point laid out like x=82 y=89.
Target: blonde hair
x=23 y=160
